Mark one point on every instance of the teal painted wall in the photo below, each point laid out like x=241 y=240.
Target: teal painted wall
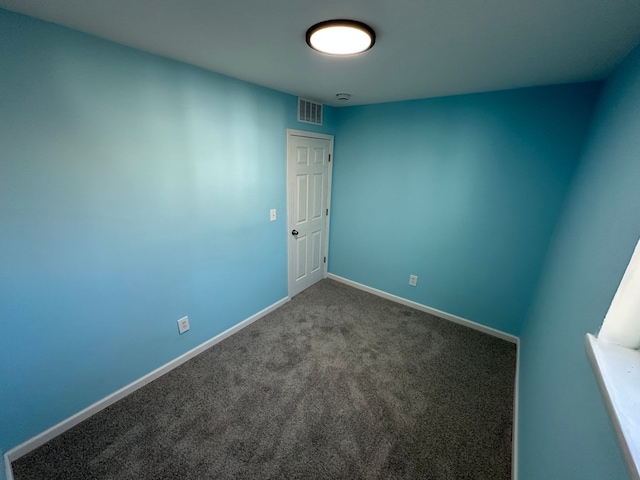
x=462 y=191
x=564 y=428
x=134 y=190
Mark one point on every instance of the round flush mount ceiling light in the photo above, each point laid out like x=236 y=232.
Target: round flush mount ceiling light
x=341 y=37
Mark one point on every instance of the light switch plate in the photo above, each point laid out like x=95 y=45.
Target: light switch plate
x=272 y=214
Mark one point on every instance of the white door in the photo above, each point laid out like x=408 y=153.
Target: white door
x=308 y=187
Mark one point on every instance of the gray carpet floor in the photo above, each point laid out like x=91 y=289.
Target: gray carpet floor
x=337 y=383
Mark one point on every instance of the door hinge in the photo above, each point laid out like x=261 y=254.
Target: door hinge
x=327 y=211
x=325 y=259
x=329 y=158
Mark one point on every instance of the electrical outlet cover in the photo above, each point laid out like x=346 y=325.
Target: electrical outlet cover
x=413 y=280
x=183 y=325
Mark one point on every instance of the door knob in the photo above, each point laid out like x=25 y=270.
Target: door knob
x=294 y=232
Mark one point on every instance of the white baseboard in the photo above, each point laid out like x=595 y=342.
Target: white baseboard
x=423 y=308
x=72 y=421
x=468 y=323
x=516 y=403
x=8 y=472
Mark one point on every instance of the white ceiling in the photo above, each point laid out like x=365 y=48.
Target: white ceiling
x=424 y=48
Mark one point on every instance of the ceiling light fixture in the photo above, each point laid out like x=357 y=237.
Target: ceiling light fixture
x=341 y=37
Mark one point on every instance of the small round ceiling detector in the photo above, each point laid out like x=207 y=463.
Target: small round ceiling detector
x=343 y=97
x=341 y=37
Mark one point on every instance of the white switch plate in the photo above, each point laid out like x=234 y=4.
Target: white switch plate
x=183 y=325
x=413 y=280
x=272 y=214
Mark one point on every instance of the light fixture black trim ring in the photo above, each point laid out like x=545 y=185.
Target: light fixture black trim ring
x=341 y=22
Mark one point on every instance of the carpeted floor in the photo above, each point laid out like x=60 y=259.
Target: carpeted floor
x=338 y=383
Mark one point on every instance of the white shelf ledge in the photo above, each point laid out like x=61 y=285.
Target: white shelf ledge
x=618 y=372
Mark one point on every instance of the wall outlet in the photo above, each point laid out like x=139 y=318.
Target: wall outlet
x=413 y=280
x=183 y=325
x=272 y=215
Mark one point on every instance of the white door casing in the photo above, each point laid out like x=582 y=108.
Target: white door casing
x=308 y=199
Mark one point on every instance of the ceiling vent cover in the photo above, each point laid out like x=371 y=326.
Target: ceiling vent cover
x=309 y=112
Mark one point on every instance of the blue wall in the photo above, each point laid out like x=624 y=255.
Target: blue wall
x=564 y=429
x=134 y=190
x=462 y=191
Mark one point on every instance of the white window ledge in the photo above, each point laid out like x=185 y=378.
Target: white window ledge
x=618 y=372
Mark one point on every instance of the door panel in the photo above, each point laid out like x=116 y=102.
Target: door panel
x=303 y=155
x=316 y=255
x=318 y=193
x=301 y=257
x=319 y=155
x=303 y=199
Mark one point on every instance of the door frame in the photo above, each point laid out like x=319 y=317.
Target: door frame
x=303 y=133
